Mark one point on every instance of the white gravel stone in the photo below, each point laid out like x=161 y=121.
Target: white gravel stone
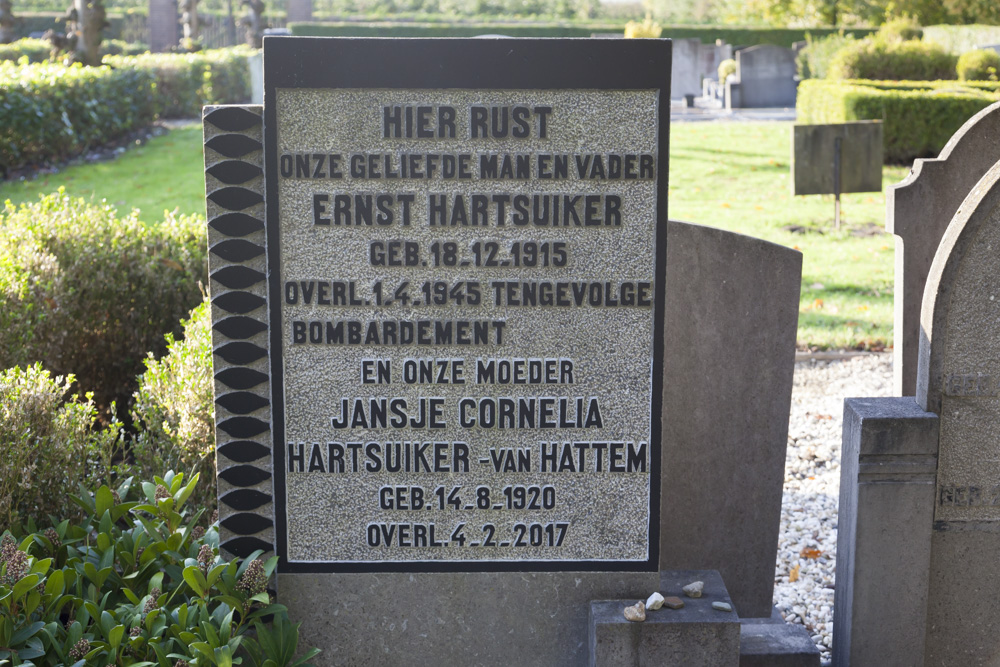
x=807 y=545
x=654 y=601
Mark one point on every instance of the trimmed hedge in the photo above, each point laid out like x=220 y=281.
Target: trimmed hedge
x=38 y=50
x=187 y=81
x=979 y=65
x=86 y=292
x=42 y=21
x=35 y=50
x=52 y=112
x=738 y=36
x=901 y=60
x=919 y=119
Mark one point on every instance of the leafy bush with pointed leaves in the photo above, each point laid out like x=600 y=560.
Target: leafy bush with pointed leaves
x=138 y=583
x=174 y=407
x=49 y=445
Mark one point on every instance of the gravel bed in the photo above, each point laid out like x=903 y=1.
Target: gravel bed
x=807 y=545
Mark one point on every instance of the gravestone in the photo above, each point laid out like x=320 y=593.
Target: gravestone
x=918 y=211
x=163 y=25
x=765 y=77
x=692 y=63
x=573 y=455
x=299 y=10
x=919 y=490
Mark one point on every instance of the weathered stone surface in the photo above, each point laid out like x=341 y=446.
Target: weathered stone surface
x=776 y=645
x=694 y=636
x=917 y=211
x=959 y=365
x=635 y=613
x=731 y=317
x=958 y=377
x=439 y=619
x=692 y=62
x=766 y=78
x=162 y=24
x=884 y=531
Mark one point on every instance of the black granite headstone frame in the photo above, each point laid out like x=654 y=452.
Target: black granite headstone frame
x=466 y=246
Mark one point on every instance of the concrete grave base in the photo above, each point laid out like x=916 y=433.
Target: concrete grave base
x=770 y=642
x=695 y=635
x=459 y=618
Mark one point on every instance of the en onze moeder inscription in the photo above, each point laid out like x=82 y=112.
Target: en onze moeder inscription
x=467 y=313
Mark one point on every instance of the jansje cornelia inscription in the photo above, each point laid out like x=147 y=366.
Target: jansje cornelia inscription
x=466 y=309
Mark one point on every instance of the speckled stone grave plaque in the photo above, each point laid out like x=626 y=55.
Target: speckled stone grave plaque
x=961 y=361
x=466 y=243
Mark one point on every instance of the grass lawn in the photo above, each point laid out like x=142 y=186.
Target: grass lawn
x=165 y=173
x=735 y=176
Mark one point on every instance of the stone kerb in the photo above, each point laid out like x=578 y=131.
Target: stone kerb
x=917 y=211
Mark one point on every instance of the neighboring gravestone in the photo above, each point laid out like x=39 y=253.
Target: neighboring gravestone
x=685 y=70
x=917 y=211
x=765 y=77
x=563 y=349
x=299 y=10
x=693 y=62
x=163 y=24
x=920 y=488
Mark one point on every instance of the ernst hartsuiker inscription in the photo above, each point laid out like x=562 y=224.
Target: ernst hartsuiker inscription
x=466 y=301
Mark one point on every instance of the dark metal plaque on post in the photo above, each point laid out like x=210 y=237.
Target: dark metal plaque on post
x=856 y=149
x=466 y=244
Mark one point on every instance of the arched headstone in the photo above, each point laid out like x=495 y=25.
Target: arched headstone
x=918 y=211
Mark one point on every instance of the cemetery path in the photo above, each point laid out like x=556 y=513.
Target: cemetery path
x=807 y=545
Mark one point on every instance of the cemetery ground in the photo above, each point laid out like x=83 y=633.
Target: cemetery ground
x=735 y=176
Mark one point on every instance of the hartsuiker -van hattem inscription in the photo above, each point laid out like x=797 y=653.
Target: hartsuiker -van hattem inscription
x=467 y=304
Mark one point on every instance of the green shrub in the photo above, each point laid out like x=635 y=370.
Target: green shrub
x=86 y=292
x=880 y=59
x=738 y=36
x=918 y=119
x=51 y=112
x=49 y=447
x=39 y=50
x=174 y=406
x=979 y=65
x=185 y=82
x=901 y=29
x=813 y=61
x=138 y=582
x=35 y=50
x=119 y=47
